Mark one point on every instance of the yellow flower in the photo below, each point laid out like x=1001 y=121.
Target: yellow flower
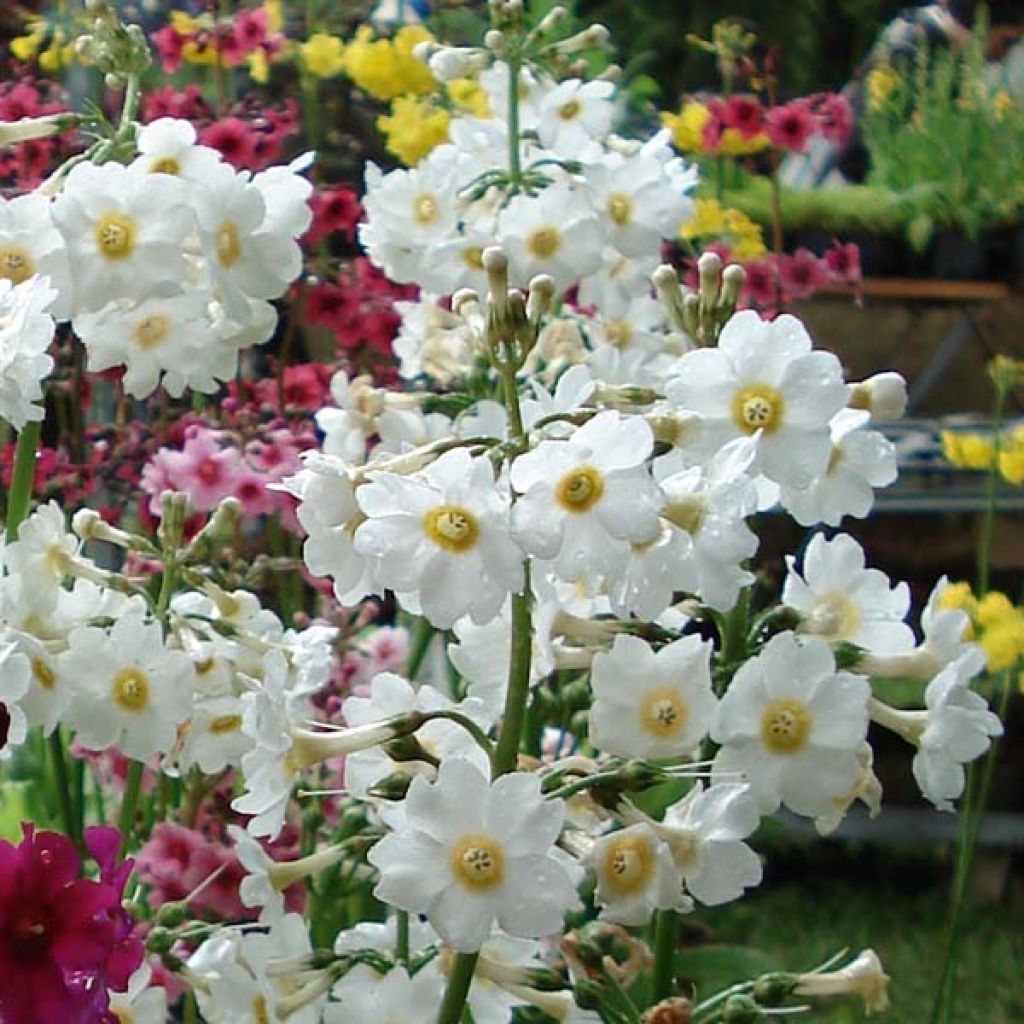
x=958 y=596
x=734 y=144
x=1004 y=643
x=414 y=128
x=323 y=56
x=204 y=54
x=275 y=15
x=387 y=69
x=56 y=56
x=882 y=83
x=968 y=451
x=259 y=66
x=994 y=608
x=470 y=96
x=184 y=24
x=26 y=47
x=1002 y=105
x=687 y=127
x=708 y=219
x=746 y=249
x=1011 y=465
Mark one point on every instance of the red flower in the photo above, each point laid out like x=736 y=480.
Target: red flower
x=836 y=117
x=170 y=47
x=251 y=29
x=791 y=125
x=803 y=273
x=64 y=940
x=744 y=114
x=233 y=139
x=337 y=209
x=761 y=284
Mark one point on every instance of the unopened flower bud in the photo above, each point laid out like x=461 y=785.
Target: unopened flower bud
x=884 y=395
x=772 y=989
x=741 y=1010
x=494 y=40
x=674 y=1010
x=451 y=62
x=709 y=273
x=171 y=915
x=542 y=294
x=732 y=284
x=26 y=128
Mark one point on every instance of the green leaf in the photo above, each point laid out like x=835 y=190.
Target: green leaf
x=920 y=231
x=716 y=966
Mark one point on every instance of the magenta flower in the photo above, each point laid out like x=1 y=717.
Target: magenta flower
x=791 y=125
x=65 y=941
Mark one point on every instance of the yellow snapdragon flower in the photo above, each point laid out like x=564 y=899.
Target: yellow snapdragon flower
x=386 y=68
x=414 y=128
x=994 y=609
x=687 y=127
x=323 y=56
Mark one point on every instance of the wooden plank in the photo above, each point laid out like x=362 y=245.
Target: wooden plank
x=911 y=289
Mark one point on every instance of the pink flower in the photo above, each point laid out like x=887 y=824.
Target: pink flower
x=203 y=470
x=791 y=125
x=843 y=261
x=169 y=47
x=761 y=285
x=64 y=940
x=388 y=648
x=836 y=116
x=232 y=138
x=802 y=273
x=744 y=115
x=336 y=209
x=251 y=29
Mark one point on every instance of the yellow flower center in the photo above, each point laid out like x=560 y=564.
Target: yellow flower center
x=785 y=725
x=225 y=724
x=123 y=1016
x=688 y=514
x=628 y=863
x=619 y=333
x=131 y=689
x=452 y=527
x=478 y=861
x=473 y=257
x=16 y=264
x=165 y=165
x=229 y=244
x=543 y=242
x=43 y=674
x=425 y=210
x=152 y=330
x=620 y=208
x=758 y=407
x=259 y=1011
x=684 y=847
x=580 y=489
x=663 y=713
x=115 y=236
x=570 y=111
x=834 y=616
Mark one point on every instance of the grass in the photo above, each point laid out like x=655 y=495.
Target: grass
x=811 y=906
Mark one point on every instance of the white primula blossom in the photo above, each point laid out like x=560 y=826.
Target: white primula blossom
x=364 y=997
x=584 y=499
x=574 y=115
x=555 y=233
x=791 y=726
x=131 y=691
x=442 y=534
x=945 y=630
x=843 y=602
x=125 y=231
x=215 y=739
x=434 y=341
x=705 y=832
x=636 y=875
x=470 y=853
x=15 y=676
x=165 y=336
x=862 y=460
x=26 y=332
x=764 y=379
x=169 y=146
x=142 y=1002
x=31 y=245
x=652 y=703
x=705 y=512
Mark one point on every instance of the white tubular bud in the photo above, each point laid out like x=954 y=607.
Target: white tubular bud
x=451 y=62
x=864 y=976
x=709 y=272
x=494 y=41
x=12 y=132
x=550 y=21
x=670 y=293
x=595 y=35
x=612 y=73
x=496 y=264
x=542 y=294
x=732 y=284
x=884 y=395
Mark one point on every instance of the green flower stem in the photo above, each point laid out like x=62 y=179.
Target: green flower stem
x=20 y=496
x=423 y=633
x=62 y=784
x=129 y=802
x=989 y=516
x=665 y=934
x=514 y=161
x=506 y=755
x=455 y=995
x=402 y=937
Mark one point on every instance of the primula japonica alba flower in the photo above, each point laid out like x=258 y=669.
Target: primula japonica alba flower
x=864 y=976
x=763 y=378
x=470 y=853
x=843 y=602
x=62 y=945
x=26 y=331
x=652 y=704
x=442 y=534
x=15 y=676
x=143 y=1003
x=636 y=875
x=366 y=998
x=791 y=726
x=31 y=245
x=582 y=500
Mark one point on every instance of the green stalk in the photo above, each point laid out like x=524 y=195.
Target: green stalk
x=989 y=516
x=506 y=755
x=63 y=785
x=129 y=802
x=402 y=937
x=515 y=167
x=20 y=496
x=455 y=995
x=665 y=932
x=423 y=633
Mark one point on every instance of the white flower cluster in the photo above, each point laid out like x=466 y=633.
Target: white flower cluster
x=165 y=266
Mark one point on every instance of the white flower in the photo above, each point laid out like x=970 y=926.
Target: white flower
x=215 y=739
x=530 y=93
x=704 y=831
x=574 y=115
x=883 y=396
x=366 y=998
x=582 y=499
x=142 y=1003
x=391 y=696
x=863 y=976
x=792 y=725
x=843 y=602
x=861 y=460
x=26 y=331
x=959 y=729
x=433 y=340
x=945 y=629
x=37 y=559
x=168 y=146
x=629 y=325
x=125 y=231
x=471 y=852
x=15 y=673
x=30 y=244
x=442 y=534
x=131 y=691
x=764 y=379
x=555 y=233
x=167 y=336
x=651 y=704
